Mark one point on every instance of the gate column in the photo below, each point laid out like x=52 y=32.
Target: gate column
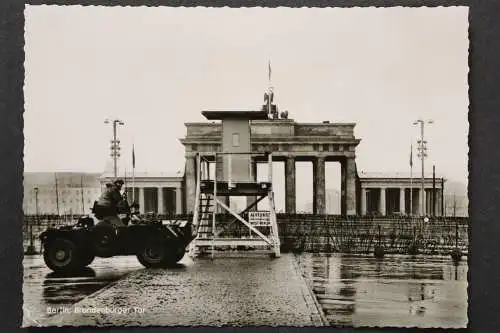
x=190 y=181
x=253 y=177
x=178 y=200
x=350 y=186
x=290 y=192
x=319 y=185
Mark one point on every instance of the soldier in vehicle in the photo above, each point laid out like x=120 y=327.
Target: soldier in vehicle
x=108 y=203
x=134 y=216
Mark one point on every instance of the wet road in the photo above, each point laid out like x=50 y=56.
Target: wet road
x=226 y=291
x=352 y=290
x=44 y=290
x=361 y=291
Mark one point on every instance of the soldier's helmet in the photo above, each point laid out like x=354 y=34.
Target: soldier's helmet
x=118 y=182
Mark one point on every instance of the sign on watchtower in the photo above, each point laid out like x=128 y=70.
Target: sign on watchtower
x=236 y=142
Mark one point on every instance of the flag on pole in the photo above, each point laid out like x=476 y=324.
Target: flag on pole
x=269 y=70
x=133 y=157
x=411 y=155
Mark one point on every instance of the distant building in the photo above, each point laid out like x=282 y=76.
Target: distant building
x=155 y=192
x=399 y=193
x=60 y=192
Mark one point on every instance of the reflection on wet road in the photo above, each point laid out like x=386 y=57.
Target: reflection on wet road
x=404 y=291
x=44 y=290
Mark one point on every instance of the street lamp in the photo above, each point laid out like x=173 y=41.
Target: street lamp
x=422 y=154
x=115 y=144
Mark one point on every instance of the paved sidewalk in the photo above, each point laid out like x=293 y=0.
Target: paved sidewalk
x=226 y=291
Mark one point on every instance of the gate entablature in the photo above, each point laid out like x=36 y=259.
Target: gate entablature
x=279 y=136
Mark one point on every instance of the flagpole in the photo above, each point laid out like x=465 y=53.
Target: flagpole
x=411 y=179
x=133 y=173
x=270 y=88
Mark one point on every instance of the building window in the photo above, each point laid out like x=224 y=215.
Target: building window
x=236 y=139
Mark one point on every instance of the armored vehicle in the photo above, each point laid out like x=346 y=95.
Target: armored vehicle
x=156 y=243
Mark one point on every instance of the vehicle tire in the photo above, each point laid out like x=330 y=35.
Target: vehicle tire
x=174 y=255
x=153 y=253
x=179 y=253
x=86 y=259
x=61 y=255
x=103 y=240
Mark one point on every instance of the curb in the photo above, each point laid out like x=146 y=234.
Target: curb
x=322 y=317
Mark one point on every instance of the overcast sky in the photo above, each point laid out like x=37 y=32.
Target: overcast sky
x=157 y=68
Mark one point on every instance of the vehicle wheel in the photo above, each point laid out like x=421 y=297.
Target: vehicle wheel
x=174 y=255
x=103 y=240
x=179 y=253
x=86 y=259
x=61 y=255
x=153 y=254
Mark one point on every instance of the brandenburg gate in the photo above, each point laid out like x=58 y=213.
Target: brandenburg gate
x=289 y=142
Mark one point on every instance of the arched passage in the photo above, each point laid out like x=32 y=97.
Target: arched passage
x=333 y=194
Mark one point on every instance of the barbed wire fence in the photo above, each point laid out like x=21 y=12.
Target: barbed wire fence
x=322 y=233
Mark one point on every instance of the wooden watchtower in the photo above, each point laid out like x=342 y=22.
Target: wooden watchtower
x=233 y=177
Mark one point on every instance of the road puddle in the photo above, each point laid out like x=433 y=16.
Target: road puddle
x=397 y=291
x=44 y=289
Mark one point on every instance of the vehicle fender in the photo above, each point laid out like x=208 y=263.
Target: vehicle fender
x=78 y=237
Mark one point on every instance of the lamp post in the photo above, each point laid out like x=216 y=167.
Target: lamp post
x=115 y=144
x=31 y=247
x=422 y=154
x=36 y=205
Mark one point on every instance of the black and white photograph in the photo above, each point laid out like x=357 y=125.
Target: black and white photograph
x=246 y=166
